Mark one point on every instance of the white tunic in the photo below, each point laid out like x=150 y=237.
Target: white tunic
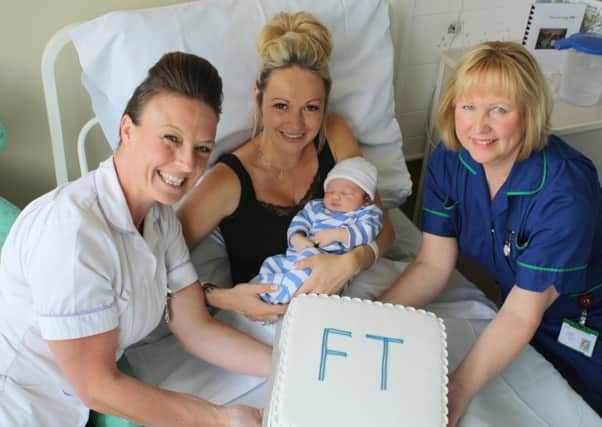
x=74 y=265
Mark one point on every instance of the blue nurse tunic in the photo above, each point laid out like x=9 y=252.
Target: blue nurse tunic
x=543 y=227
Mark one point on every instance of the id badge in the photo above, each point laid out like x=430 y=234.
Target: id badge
x=577 y=337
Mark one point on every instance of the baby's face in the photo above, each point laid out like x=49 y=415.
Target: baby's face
x=342 y=195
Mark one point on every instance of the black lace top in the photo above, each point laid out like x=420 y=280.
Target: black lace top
x=256 y=229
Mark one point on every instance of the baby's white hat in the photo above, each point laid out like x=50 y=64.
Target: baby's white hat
x=357 y=170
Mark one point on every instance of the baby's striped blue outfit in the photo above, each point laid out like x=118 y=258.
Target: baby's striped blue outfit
x=363 y=225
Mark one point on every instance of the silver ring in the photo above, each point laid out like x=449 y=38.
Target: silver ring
x=267 y=322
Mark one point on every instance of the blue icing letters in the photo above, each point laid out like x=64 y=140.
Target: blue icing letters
x=326 y=351
x=383 y=366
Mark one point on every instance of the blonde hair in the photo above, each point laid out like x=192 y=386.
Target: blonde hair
x=509 y=67
x=288 y=40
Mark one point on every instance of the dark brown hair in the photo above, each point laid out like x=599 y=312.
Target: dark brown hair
x=178 y=73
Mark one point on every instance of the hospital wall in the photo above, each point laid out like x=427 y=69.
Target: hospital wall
x=419 y=30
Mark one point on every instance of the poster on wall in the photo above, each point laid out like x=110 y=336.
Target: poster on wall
x=547 y=23
x=592 y=20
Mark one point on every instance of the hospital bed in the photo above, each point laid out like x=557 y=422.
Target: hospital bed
x=115 y=51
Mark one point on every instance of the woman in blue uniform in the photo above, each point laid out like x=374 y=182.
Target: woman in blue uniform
x=525 y=206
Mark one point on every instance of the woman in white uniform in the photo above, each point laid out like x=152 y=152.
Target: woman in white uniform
x=87 y=269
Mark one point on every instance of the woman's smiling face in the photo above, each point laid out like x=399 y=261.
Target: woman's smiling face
x=293 y=107
x=490 y=126
x=172 y=144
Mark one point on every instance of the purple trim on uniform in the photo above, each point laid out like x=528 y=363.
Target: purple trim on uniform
x=179 y=266
x=79 y=313
x=102 y=211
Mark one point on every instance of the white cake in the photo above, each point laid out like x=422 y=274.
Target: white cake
x=351 y=362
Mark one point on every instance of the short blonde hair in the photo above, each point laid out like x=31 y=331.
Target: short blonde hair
x=288 y=40
x=511 y=68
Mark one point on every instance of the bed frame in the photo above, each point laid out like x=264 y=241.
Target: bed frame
x=53 y=48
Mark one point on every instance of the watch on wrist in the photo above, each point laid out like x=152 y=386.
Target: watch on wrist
x=208 y=287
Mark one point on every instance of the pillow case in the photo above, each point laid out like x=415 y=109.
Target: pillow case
x=117 y=49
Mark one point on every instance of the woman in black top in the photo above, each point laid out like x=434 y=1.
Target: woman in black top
x=257 y=229
x=253 y=193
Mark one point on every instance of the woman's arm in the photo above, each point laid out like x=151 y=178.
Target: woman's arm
x=216 y=197
x=427 y=275
x=331 y=272
x=244 y=298
x=89 y=365
x=213 y=341
x=503 y=339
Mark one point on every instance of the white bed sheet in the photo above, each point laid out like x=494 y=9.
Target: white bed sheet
x=529 y=393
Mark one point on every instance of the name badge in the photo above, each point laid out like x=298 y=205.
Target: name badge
x=577 y=337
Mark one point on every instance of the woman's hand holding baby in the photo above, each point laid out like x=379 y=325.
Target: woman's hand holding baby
x=329 y=273
x=244 y=299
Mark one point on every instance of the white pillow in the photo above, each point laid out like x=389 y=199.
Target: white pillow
x=116 y=50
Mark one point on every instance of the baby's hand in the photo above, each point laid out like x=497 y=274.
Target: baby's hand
x=301 y=242
x=326 y=237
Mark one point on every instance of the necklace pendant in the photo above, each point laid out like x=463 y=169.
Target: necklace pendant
x=280 y=175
